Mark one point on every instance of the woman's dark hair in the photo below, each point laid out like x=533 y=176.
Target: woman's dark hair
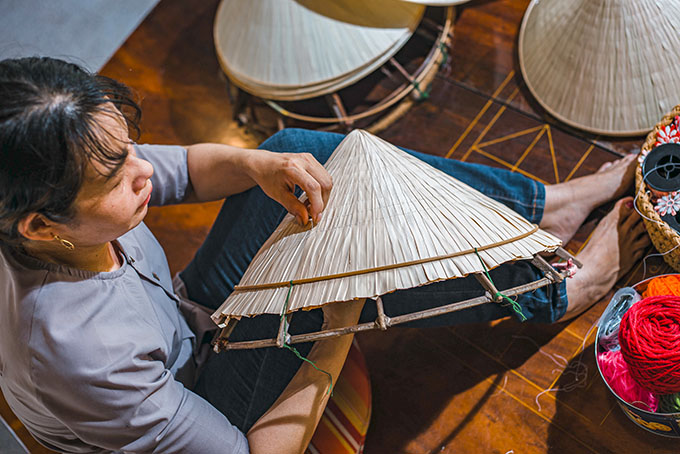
x=49 y=135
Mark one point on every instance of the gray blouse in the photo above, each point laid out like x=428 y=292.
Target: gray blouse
x=98 y=362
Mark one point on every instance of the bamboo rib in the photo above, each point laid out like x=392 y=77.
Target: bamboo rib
x=244 y=288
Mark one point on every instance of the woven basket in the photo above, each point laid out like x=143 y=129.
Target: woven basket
x=663 y=236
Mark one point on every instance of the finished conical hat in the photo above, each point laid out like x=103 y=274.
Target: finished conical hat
x=437 y=2
x=605 y=66
x=392 y=222
x=285 y=46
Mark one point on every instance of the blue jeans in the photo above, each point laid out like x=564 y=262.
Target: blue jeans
x=243 y=384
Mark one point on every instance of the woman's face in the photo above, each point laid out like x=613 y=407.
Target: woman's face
x=109 y=206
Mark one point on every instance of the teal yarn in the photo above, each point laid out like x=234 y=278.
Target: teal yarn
x=669 y=403
x=514 y=304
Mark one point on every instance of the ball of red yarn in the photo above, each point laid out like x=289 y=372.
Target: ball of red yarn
x=649 y=336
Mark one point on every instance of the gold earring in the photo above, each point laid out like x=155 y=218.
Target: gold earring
x=66 y=243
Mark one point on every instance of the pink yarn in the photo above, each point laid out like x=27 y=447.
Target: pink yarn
x=617 y=375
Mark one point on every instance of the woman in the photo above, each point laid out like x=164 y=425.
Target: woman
x=96 y=354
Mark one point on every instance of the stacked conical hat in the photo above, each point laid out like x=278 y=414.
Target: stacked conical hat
x=298 y=49
x=438 y=2
x=605 y=66
x=392 y=222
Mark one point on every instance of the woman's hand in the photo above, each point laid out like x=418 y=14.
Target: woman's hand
x=279 y=173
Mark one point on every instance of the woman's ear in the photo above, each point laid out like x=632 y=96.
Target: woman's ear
x=35 y=226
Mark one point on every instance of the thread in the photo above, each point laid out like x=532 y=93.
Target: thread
x=575 y=367
x=667 y=167
x=666 y=203
x=500 y=390
x=293 y=349
x=514 y=304
x=445 y=55
x=660 y=254
x=669 y=403
x=649 y=336
x=617 y=374
x=422 y=94
x=662 y=168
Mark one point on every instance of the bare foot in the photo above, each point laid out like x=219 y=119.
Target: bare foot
x=568 y=204
x=617 y=243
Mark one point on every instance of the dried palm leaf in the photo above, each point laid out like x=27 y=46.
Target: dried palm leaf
x=607 y=67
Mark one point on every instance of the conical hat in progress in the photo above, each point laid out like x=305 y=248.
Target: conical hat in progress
x=392 y=222
x=290 y=45
x=605 y=66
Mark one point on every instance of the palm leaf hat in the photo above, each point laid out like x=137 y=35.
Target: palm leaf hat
x=607 y=67
x=299 y=49
x=392 y=222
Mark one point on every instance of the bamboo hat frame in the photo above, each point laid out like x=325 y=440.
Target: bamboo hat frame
x=296 y=49
x=392 y=222
x=607 y=67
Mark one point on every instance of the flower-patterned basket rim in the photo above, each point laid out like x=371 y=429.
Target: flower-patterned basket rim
x=663 y=236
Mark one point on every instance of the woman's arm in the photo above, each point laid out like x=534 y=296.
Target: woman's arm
x=217 y=171
x=288 y=426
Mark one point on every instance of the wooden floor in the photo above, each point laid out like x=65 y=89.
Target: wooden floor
x=503 y=387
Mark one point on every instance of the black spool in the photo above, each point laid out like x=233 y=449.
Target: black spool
x=672 y=221
x=661 y=168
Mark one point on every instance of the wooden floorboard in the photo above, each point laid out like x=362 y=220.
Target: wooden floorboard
x=499 y=387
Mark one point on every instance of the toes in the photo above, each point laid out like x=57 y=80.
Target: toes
x=639 y=229
x=625 y=201
x=628 y=158
x=605 y=166
x=629 y=220
x=625 y=161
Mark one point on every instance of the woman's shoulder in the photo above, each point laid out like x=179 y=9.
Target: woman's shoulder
x=46 y=303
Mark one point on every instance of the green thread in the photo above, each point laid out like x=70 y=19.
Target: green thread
x=445 y=54
x=669 y=403
x=514 y=304
x=293 y=349
x=422 y=95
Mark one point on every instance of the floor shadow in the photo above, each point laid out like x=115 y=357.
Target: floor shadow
x=415 y=373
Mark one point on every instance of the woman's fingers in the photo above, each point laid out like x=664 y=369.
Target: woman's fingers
x=280 y=173
x=321 y=175
x=310 y=176
x=294 y=207
x=309 y=184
